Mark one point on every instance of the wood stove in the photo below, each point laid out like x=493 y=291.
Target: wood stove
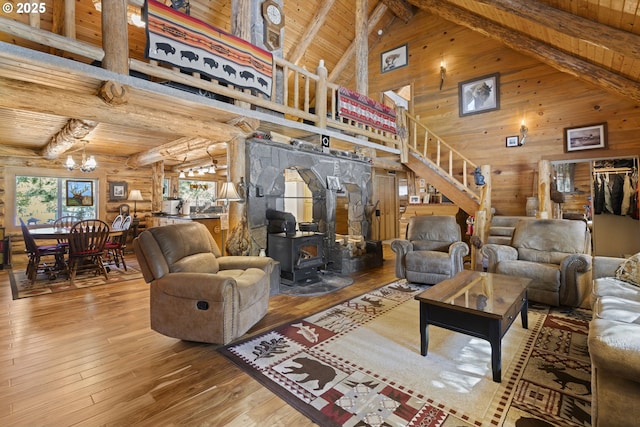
x=300 y=254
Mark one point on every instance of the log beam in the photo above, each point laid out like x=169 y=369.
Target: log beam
x=612 y=39
x=182 y=149
x=400 y=8
x=542 y=52
x=342 y=64
x=51 y=100
x=70 y=134
x=312 y=30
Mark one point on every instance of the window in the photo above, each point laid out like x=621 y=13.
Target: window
x=42 y=199
x=200 y=194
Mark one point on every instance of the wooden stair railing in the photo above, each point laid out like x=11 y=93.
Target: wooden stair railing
x=446 y=168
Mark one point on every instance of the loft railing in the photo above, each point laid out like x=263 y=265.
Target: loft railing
x=305 y=97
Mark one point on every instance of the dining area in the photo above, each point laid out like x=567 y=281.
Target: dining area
x=70 y=246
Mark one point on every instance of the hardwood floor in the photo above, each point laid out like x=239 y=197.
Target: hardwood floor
x=88 y=357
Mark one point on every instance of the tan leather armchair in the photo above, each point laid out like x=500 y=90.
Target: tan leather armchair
x=554 y=253
x=433 y=250
x=196 y=293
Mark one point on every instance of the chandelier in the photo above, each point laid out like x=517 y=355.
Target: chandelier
x=88 y=164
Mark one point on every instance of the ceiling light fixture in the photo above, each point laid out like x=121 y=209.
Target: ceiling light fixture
x=88 y=164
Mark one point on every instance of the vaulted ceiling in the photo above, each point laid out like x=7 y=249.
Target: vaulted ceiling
x=597 y=41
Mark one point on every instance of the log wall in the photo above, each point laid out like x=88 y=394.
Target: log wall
x=547 y=100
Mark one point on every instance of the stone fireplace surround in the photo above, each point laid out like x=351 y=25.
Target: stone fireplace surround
x=265 y=182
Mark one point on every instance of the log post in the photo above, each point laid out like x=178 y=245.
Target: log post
x=157 y=179
x=545 y=209
x=321 y=95
x=483 y=218
x=362 y=42
x=115 y=36
x=69 y=19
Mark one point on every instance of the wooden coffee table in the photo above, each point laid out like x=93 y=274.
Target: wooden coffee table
x=482 y=305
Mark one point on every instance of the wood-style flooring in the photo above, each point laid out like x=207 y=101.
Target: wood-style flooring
x=87 y=357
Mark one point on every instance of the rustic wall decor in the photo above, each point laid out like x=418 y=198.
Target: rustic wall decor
x=585 y=137
x=479 y=95
x=512 y=141
x=394 y=58
x=79 y=193
x=117 y=190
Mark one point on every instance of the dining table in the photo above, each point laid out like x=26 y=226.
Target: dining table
x=47 y=233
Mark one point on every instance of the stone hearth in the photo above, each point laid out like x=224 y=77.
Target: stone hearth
x=267 y=161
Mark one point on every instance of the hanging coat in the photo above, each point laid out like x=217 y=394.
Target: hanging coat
x=626 y=195
x=598 y=191
x=617 y=192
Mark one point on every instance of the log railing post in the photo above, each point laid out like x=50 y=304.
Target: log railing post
x=115 y=36
x=321 y=95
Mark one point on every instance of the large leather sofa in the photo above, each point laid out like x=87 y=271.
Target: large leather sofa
x=554 y=253
x=614 y=347
x=196 y=293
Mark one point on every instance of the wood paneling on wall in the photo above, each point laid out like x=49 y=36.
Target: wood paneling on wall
x=546 y=99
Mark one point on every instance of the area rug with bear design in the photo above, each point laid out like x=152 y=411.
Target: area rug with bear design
x=359 y=364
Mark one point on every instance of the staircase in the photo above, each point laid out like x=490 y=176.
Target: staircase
x=425 y=153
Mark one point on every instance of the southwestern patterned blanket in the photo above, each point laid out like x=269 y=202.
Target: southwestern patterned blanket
x=195 y=46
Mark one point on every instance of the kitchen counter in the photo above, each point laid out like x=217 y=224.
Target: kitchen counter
x=210 y=220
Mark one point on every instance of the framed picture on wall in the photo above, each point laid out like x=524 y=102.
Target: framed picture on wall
x=479 y=95
x=585 y=137
x=79 y=193
x=414 y=200
x=117 y=190
x=512 y=141
x=394 y=59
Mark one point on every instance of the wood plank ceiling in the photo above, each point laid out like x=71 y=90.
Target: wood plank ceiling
x=596 y=40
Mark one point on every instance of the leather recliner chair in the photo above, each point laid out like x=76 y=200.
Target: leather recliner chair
x=196 y=293
x=554 y=253
x=433 y=250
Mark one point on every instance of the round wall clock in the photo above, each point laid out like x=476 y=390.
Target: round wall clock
x=273 y=22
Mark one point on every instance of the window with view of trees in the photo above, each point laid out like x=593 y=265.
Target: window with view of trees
x=202 y=192
x=42 y=199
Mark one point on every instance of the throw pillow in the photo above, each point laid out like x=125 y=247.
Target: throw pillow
x=629 y=270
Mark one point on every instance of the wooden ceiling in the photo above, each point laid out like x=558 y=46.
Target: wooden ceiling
x=595 y=40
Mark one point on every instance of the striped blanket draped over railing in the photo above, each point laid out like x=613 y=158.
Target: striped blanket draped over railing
x=195 y=46
x=362 y=109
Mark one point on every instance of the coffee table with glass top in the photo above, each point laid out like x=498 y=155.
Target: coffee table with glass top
x=483 y=305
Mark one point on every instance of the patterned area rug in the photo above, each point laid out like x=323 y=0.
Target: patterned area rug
x=359 y=364
x=20 y=287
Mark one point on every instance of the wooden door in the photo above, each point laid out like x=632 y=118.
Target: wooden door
x=384 y=226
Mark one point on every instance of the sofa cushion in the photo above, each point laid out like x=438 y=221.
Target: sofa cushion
x=542 y=274
x=550 y=241
x=618 y=309
x=432 y=262
x=629 y=270
x=430 y=245
x=252 y=284
x=617 y=288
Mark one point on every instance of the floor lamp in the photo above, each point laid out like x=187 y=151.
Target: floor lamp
x=228 y=193
x=136 y=197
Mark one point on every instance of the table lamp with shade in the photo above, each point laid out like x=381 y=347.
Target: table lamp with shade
x=135 y=196
x=228 y=193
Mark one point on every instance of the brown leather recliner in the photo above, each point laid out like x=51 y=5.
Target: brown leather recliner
x=433 y=250
x=196 y=293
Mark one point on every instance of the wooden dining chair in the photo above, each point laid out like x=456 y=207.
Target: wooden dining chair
x=87 y=240
x=116 y=245
x=36 y=253
x=64 y=222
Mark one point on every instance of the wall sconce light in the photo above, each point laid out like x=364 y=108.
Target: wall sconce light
x=443 y=73
x=524 y=130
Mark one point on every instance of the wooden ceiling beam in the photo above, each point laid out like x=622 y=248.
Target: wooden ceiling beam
x=542 y=52
x=86 y=106
x=400 y=8
x=312 y=30
x=342 y=64
x=70 y=135
x=604 y=36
